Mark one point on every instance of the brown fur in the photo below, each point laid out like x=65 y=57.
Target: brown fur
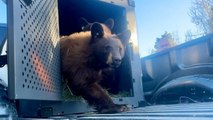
x=84 y=56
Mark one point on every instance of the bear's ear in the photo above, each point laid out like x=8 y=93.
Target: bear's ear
x=97 y=30
x=109 y=23
x=84 y=24
x=124 y=37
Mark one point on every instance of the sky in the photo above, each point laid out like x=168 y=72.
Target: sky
x=153 y=18
x=2 y=12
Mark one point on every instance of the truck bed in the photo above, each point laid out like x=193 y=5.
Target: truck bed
x=184 y=111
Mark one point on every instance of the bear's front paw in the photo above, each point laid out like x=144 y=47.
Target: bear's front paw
x=115 y=109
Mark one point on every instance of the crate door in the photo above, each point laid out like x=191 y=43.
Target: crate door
x=33 y=50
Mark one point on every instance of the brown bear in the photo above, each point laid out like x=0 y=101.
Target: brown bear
x=108 y=73
x=84 y=55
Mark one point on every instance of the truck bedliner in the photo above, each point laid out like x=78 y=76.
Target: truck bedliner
x=192 y=111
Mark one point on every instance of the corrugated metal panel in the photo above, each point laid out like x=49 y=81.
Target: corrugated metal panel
x=198 y=111
x=33 y=50
x=193 y=111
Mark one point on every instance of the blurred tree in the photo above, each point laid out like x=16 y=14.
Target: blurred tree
x=188 y=35
x=201 y=14
x=176 y=37
x=165 y=41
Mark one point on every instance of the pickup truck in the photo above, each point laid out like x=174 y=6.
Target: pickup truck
x=169 y=85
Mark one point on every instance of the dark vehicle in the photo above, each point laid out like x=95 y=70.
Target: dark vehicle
x=180 y=74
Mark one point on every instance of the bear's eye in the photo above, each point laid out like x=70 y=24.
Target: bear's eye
x=108 y=48
x=120 y=49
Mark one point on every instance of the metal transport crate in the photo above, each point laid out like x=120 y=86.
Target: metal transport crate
x=34 y=30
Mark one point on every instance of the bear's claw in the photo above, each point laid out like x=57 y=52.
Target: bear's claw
x=115 y=109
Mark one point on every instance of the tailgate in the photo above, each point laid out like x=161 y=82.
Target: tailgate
x=193 y=111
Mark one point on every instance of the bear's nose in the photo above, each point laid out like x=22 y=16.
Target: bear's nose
x=116 y=62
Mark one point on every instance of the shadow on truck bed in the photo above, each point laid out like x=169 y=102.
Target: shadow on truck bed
x=180 y=74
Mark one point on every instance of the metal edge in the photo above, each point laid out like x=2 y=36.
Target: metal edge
x=135 y=62
x=10 y=46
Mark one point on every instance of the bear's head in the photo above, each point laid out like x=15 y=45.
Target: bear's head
x=107 y=25
x=108 y=48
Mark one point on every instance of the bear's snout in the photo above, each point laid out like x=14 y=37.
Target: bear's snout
x=116 y=62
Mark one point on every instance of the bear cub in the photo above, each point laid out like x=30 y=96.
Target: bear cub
x=84 y=55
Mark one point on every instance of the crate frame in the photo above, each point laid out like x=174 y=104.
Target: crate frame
x=45 y=104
